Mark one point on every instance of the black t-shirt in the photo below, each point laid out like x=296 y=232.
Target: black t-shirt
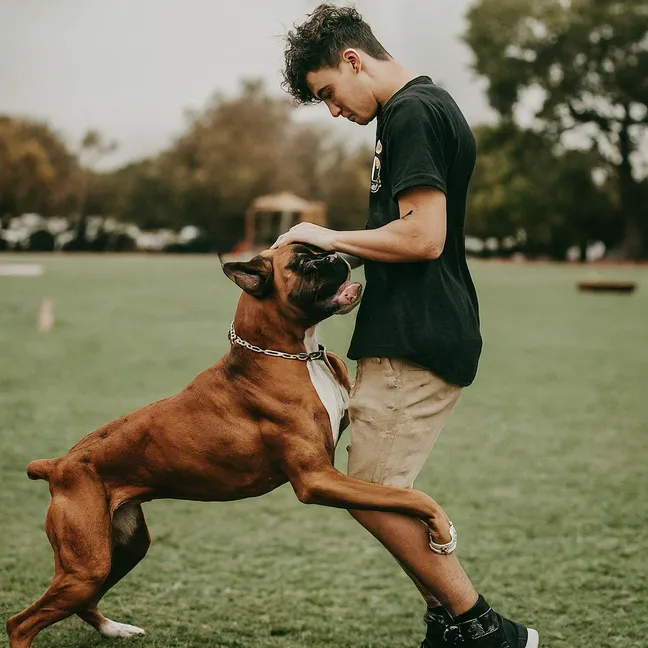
x=424 y=311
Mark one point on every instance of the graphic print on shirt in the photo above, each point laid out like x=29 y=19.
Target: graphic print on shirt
x=375 y=169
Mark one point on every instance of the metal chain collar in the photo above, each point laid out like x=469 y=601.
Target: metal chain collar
x=304 y=357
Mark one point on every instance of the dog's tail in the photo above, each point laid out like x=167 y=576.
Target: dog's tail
x=41 y=468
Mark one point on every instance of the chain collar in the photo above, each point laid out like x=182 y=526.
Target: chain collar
x=304 y=357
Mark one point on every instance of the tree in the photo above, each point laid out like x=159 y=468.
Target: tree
x=92 y=148
x=237 y=148
x=588 y=62
x=233 y=147
x=346 y=179
x=233 y=151
x=152 y=203
x=36 y=169
x=249 y=145
x=305 y=154
x=521 y=185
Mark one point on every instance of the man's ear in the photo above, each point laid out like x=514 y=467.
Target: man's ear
x=254 y=276
x=352 y=56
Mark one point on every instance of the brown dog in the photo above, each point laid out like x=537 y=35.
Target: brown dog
x=269 y=412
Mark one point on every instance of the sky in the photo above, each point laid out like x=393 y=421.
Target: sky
x=131 y=68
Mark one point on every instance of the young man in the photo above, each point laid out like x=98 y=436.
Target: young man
x=417 y=339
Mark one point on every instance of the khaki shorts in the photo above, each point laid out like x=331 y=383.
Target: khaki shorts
x=397 y=410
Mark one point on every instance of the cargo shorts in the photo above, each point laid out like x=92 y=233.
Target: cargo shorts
x=397 y=410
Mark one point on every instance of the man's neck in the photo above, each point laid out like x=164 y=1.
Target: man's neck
x=390 y=76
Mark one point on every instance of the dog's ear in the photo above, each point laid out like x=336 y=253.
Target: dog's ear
x=254 y=276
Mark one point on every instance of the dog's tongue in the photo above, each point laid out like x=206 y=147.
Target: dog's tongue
x=348 y=293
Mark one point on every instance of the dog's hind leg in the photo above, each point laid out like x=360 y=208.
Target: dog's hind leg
x=130 y=542
x=78 y=528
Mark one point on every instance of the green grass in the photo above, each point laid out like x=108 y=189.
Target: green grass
x=542 y=467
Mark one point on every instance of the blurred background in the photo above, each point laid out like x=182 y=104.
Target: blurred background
x=156 y=125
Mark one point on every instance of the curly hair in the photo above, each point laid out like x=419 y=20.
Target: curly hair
x=320 y=41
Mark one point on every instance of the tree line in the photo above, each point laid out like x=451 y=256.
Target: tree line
x=573 y=174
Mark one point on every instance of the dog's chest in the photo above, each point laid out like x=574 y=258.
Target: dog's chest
x=333 y=395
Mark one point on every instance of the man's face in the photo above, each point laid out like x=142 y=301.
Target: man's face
x=345 y=90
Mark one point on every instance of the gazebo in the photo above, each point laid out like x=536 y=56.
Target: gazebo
x=269 y=216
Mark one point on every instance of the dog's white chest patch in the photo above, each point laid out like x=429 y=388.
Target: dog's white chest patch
x=333 y=395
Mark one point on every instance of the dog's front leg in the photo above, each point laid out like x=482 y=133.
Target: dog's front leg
x=307 y=465
x=329 y=487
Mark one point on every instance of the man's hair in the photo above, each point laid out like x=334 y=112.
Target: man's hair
x=319 y=43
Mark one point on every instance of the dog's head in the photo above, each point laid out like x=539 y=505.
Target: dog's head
x=301 y=280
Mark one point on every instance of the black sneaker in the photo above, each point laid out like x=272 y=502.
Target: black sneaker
x=482 y=627
x=437 y=620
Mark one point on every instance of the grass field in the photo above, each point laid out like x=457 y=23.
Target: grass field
x=543 y=466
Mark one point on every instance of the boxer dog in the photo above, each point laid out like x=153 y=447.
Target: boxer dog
x=269 y=412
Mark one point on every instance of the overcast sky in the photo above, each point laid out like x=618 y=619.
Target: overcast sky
x=132 y=67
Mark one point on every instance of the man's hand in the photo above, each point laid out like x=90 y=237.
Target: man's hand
x=310 y=234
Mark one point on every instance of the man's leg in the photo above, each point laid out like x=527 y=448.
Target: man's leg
x=439 y=578
x=397 y=412
x=428 y=597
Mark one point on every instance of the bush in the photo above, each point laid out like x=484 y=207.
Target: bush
x=113 y=242
x=200 y=245
x=103 y=242
x=76 y=245
x=121 y=243
x=40 y=241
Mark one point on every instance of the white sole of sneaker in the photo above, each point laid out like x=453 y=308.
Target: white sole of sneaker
x=533 y=640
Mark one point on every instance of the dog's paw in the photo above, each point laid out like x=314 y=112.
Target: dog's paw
x=113 y=629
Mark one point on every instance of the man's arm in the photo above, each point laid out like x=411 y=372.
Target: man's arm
x=418 y=235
